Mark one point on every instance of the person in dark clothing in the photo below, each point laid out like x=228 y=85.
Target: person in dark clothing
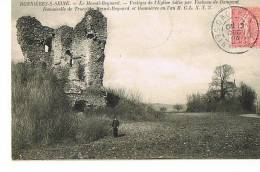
x=115 y=125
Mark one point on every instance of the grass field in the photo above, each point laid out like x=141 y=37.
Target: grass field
x=184 y=136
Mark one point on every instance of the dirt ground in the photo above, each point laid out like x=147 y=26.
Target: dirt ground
x=179 y=136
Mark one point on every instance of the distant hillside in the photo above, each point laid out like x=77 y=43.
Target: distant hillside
x=169 y=107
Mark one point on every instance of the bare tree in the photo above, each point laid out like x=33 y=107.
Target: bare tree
x=221 y=83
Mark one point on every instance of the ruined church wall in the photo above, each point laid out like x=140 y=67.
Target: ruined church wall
x=33 y=37
x=89 y=43
x=76 y=54
x=96 y=63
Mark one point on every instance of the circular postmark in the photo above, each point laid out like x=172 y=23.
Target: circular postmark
x=235 y=29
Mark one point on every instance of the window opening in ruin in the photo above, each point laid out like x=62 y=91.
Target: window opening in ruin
x=48 y=44
x=46 y=48
x=69 y=54
x=80 y=105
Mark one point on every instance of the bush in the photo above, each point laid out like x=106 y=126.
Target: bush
x=40 y=109
x=127 y=105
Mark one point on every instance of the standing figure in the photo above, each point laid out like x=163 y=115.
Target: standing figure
x=115 y=125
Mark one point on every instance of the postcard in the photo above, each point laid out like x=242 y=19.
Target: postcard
x=135 y=79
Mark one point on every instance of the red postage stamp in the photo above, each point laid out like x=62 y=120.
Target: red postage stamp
x=245 y=29
x=256 y=12
x=235 y=29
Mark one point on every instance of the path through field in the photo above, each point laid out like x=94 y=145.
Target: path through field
x=187 y=135
x=251 y=115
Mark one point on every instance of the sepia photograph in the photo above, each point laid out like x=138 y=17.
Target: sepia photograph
x=135 y=79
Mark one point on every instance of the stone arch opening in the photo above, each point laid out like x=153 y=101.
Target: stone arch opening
x=112 y=100
x=48 y=44
x=80 y=105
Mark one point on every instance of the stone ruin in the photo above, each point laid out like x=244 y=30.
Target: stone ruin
x=76 y=53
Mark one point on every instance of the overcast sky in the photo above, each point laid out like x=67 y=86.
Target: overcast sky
x=163 y=55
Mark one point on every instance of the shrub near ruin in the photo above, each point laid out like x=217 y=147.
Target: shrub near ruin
x=40 y=113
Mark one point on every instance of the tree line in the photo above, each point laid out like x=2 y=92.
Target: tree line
x=223 y=94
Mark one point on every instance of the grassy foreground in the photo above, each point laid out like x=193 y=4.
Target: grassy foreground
x=190 y=135
x=42 y=115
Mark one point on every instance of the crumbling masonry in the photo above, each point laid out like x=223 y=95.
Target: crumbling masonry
x=76 y=53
